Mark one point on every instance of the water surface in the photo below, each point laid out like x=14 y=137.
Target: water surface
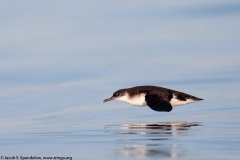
x=59 y=60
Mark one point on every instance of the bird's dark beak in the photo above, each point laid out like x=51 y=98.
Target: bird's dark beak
x=109 y=99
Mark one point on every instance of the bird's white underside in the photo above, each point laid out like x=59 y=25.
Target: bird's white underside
x=175 y=102
x=136 y=100
x=140 y=100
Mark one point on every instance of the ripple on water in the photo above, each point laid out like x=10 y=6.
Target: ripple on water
x=150 y=139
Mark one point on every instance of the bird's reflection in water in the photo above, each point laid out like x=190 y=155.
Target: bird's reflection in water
x=151 y=140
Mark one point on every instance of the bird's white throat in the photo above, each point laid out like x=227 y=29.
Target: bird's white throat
x=138 y=100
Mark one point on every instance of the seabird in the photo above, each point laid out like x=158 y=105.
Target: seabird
x=157 y=98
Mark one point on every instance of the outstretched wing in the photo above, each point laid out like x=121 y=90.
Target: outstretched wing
x=156 y=103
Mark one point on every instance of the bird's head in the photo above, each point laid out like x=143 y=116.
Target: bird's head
x=117 y=95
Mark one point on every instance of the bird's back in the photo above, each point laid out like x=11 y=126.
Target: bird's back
x=165 y=93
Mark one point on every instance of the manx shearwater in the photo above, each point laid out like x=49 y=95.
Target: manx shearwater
x=157 y=98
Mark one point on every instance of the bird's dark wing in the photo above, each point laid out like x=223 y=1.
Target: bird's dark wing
x=156 y=103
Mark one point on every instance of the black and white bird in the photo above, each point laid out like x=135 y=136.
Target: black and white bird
x=157 y=98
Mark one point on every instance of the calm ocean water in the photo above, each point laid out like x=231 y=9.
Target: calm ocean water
x=60 y=60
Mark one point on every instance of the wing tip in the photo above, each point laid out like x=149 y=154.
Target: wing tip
x=198 y=99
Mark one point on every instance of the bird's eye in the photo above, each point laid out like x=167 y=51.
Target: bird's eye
x=117 y=94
